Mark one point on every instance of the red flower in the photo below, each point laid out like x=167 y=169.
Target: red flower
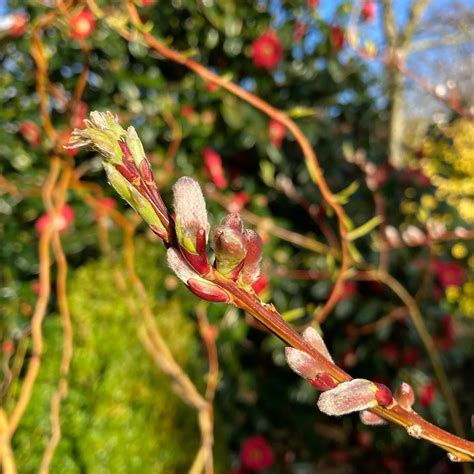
x=104 y=205
x=238 y=202
x=60 y=222
x=313 y=3
x=267 y=51
x=18 y=22
x=82 y=24
x=30 y=132
x=213 y=163
x=368 y=10
x=276 y=132
x=448 y=273
x=256 y=454
x=146 y=3
x=336 y=36
x=427 y=394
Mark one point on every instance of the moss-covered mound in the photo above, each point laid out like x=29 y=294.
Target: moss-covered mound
x=121 y=414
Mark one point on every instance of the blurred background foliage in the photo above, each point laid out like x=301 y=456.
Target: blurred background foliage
x=121 y=414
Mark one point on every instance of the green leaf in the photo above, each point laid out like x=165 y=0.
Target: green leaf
x=267 y=172
x=293 y=314
x=364 y=229
x=300 y=112
x=343 y=196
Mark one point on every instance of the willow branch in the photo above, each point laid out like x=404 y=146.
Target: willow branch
x=39 y=313
x=311 y=160
x=61 y=289
x=427 y=341
x=270 y=318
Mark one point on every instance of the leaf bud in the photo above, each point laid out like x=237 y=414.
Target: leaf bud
x=405 y=396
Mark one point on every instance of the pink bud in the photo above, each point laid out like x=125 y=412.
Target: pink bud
x=323 y=382
x=309 y=368
x=230 y=250
x=369 y=418
x=251 y=269
x=405 y=396
x=234 y=221
x=200 y=287
x=197 y=260
x=314 y=339
x=383 y=395
x=302 y=363
x=208 y=291
x=347 y=397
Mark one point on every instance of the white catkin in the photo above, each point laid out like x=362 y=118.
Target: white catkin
x=302 y=363
x=313 y=338
x=347 y=397
x=190 y=206
x=177 y=263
